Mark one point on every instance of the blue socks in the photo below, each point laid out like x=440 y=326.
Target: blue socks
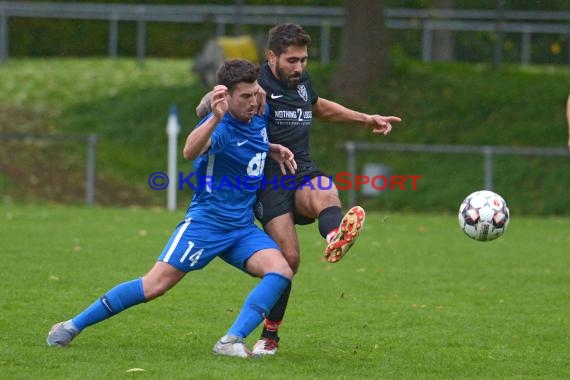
x=256 y=306
x=258 y=303
x=116 y=300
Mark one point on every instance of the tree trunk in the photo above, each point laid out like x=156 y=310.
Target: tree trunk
x=443 y=39
x=364 y=53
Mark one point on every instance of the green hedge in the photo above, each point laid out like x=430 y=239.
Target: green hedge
x=127 y=105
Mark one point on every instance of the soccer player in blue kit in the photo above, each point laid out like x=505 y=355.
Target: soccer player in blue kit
x=229 y=149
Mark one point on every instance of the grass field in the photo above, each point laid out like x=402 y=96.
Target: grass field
x=415 y=299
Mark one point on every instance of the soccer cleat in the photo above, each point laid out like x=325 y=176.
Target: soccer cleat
x=61 y=334
x=265 y=346
x=346 y=234
x=231 y=345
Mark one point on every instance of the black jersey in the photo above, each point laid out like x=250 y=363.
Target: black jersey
x=290 y=114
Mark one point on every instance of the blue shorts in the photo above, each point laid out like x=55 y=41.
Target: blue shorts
x=194 y=244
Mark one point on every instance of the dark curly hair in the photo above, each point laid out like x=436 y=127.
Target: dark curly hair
x=282 y=36
x=236 y=71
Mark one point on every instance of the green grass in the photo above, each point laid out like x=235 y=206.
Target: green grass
x=415 y=299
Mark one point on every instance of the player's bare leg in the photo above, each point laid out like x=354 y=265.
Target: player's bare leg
x=311 y=199
x=282 y=230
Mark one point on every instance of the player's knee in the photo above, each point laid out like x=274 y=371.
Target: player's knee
x=295 y=264
x=154 y=290
x=279 y=265
x=293 y=259
x=317 y=201
x=152 y=293
x=285 y=270
x=329 y=198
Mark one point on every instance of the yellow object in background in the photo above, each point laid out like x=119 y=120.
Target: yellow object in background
x=242 y=47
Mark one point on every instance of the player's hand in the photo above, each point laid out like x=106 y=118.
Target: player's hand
x=284 y=157
x=261 y=101
x=218 y=101
x=381 y=124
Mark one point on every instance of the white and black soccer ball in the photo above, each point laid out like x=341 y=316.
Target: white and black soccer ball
x=484 y=215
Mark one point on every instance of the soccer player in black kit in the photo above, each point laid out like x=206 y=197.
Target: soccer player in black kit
x=309 y=195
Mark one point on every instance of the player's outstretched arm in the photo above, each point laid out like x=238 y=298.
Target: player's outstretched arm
x=284 y=157
x=199 y=140
x=334 y=112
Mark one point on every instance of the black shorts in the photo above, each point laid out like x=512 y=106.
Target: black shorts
x=277 y=194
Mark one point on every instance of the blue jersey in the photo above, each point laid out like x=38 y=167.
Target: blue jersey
x=229 y=173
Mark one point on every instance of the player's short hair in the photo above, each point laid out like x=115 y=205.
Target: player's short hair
x=281 y=36
x=236 y=71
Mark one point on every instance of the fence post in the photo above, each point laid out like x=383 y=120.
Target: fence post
x=90 y=182
x=220 y=26
x=351 y=161
x=325 y=42
x=238 y=17
x=488 y=154
x=499 y=34
x=427 y=40
x=141 y=40
x=568 y=47
x=525 y=46
x=4 y=38
x=172 y=131
x=113 y=35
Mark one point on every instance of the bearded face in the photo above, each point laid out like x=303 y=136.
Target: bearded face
x=290 y=64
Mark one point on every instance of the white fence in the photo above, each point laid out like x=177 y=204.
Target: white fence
x=487 y=151
x=527 y=23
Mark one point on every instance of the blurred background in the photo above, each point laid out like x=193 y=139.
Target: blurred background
x=87 y=90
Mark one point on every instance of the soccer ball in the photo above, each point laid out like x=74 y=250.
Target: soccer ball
x=484 y=215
